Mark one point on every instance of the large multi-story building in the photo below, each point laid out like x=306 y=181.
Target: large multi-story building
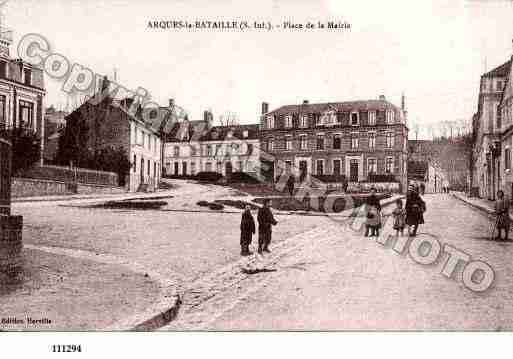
x=22 y=91
x=487 y=174
x=197 y=146
x=354 y=139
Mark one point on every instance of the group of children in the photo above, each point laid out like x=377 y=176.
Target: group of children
x=373 y=222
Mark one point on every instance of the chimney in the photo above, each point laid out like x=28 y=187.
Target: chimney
x=382 y=98
x=265 y=108
x=208 y=118
x=171 y=102
x=305 y=102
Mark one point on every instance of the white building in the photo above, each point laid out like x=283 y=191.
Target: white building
x=223 y=149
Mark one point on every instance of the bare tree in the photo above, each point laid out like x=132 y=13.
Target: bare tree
x=228 y=118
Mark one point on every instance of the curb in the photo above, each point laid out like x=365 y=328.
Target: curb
x=476 y=206
x=72 y=198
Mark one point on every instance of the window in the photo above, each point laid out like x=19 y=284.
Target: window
x=288 y=121
x=26 y=115
x=219 y=167
x=372 y=166
x=28 y=76
x=288 y=143
x=149 y=167
x=390 y=116
x=154 y=169
x=320 y=142
x=337 y=142
x=320 y=167
x=193 y=150
x=303 y=121
x=176 y=151
x=500 y=85
x=208 y=167
x=218 y=150
x=270 y=121
x=234 y=149
x=372 y=118
x=271 y=145
x=303 y=142
x=389 y=165
x=372 y=140
x=507 y=158
x=250 y=148
x=354 y=140
x=355 y=119
x=390 y=139
x=135 y=163
x=318 y=119
x=3 y=120
x=209 y=150
x=245 y=134
x=193 y=168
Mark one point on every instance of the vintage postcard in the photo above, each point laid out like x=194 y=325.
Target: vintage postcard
x=272 y=165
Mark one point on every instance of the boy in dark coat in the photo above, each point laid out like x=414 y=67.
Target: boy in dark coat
x=265 y=222
x=247 y=229
x=415 y=208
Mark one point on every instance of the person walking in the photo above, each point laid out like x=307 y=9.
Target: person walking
x=373 y=209
x=415 y=208
x=290 y=184
x=422 y=188
x=502 y=213
x=265 y=222
x=247 y=229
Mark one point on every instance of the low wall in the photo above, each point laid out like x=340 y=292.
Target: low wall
x=11 y=260
x=29 y=187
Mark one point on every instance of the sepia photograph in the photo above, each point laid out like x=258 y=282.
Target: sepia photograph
x=272 y=166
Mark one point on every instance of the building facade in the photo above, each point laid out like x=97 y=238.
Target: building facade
x=55 y=121
x=109 y=124
x=199 y=147
x=355 y=140
x=22 y=91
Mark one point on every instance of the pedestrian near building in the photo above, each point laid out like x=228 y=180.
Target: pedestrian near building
x=290 y=184
x=399 y=215
x=415 y=208
x=422 y=188
x=247 y=229
x=373 y=209
x=502 y=212
x=265 y=222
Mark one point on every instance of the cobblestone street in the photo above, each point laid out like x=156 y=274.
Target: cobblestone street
x=339 y=280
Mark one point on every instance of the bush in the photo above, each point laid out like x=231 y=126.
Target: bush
x=209 y=176
x=216 y=206
x=242 y=177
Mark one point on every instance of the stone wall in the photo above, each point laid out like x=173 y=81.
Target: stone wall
x=28 y=187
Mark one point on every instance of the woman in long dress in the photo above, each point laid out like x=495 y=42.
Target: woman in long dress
x=502 y=212
x=415 y=208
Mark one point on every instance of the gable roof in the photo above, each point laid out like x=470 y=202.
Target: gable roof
x=500 y=71
x=217 y=133
x=345 y=106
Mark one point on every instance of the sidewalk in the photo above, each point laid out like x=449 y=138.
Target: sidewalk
x=479 y=203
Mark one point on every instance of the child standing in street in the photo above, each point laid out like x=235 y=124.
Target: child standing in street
x=247 y=229
x=399 y=215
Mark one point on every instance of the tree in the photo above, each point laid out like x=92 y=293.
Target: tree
x=228 y=118
x=26 y=148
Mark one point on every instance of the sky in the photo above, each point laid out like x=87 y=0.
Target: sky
x=433 y=51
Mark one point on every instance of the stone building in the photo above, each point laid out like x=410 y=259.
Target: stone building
x=505 y=117
x=197 y=146
x=22 y=91
x=350 y=140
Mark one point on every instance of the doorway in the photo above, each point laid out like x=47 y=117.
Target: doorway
x=353 y=170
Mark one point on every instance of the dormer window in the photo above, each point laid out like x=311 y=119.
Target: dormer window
x=27 y=76
x=390 y=116
x=303 y=121
x=288 y=121
x=355 y=118
x=245 y=134
x=372 y=118
x=270 y=121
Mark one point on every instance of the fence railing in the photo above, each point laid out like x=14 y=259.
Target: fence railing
x=5 y=177
x=71 y=174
